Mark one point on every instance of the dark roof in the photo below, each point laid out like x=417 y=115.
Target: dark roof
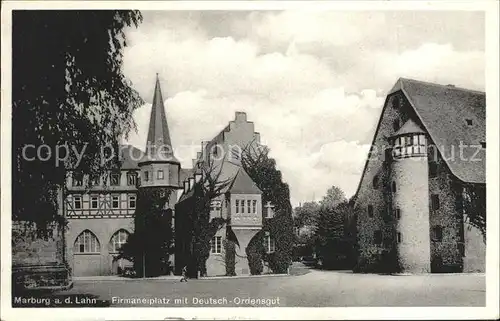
x=409 y=128
x=443 y=111
x=243 y=184
x=158 y=133
x=130 y=156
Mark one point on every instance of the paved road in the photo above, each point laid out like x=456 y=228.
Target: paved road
x=313 y=289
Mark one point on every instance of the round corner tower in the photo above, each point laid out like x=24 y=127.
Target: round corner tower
x=159 y=169
x=409 y=185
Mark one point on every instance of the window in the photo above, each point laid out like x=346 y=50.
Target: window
x=461 y=249
x=269 y=243
x=269 y=210
x=395 y=124
x=146 y=176
x=115 y=201
x=77 y=202
x=397 y=213
x=117 y=240
x=254 y=206
x=94 y=202
x=370 y=210
x=437 y=233
x=132 y=201
x=375 y=181
x=377 y=237
x=242 y=206
x=399 y=237
x=86 y=242
x=435 y=201
x=115 y=179
x=235 y=152
x=468 y=121
x=433 y=169
x=237 y=206
x=77 y=179
x=95 y=180
x=159 y=174
x=483 y=144
x=216 y=245
x=215 y=206
x=249 y=206
x=131 y=179
x=393 y=187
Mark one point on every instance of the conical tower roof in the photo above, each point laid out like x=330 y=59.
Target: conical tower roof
x=158 y=140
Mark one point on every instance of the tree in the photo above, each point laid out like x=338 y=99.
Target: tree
x=306 y=215
x=262 y=170
x=204 y=228
x=333 y=197
x=68 y=94
x=150 y=245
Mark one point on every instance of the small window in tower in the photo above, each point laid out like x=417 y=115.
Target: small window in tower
x=437 y=233
x=370 y=210
x=237 y=206
x=397 y=213
x=433 y=169
x=146 y=176
x=468 y=121
x=435 y=201
x=395 y=124
x=393 y=187
x=399 y=237
x=160 y=174
x=375 y=182
x=377 y=237
x=115 y=179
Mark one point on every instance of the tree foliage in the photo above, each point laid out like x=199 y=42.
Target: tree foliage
x=68 y=89
x=262 y=169
x=204 y=228
x=150 y=245
x=474 y=205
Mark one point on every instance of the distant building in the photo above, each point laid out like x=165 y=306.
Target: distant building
x=240 y=201
x=410 y=197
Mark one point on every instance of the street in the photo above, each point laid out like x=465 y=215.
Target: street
x=307 y=288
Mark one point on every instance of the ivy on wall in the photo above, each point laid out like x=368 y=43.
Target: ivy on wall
x=262 y=169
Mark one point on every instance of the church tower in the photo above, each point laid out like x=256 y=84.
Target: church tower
x=409 y=186
x=159 y=168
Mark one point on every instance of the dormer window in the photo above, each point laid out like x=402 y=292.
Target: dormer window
x=468 y=121
x=115 y=179
x=160 y=174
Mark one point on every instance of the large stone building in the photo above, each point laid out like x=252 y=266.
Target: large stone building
x=427 y=154
x=100 y=210
x=239 y=202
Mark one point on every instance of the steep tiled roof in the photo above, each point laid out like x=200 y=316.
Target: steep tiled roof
x=445 y=112
x=409 y=128
x=243 y=184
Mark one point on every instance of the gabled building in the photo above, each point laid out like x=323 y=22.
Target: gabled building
x=239 y=202
x=100 y=210
x=428 y=153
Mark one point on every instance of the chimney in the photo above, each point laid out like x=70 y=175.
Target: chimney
x=197 y=178
x=186 y=186
x=191 y=183
x=240 y=116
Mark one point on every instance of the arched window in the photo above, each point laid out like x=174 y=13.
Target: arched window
x=117 y=240
x=86 y=242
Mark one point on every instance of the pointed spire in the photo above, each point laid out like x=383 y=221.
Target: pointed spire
x=158 y=133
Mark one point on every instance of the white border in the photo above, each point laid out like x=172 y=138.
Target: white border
x=491 y=8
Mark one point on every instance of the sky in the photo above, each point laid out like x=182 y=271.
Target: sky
x=313 y=82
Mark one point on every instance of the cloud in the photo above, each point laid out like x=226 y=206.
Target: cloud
x=312 y=82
